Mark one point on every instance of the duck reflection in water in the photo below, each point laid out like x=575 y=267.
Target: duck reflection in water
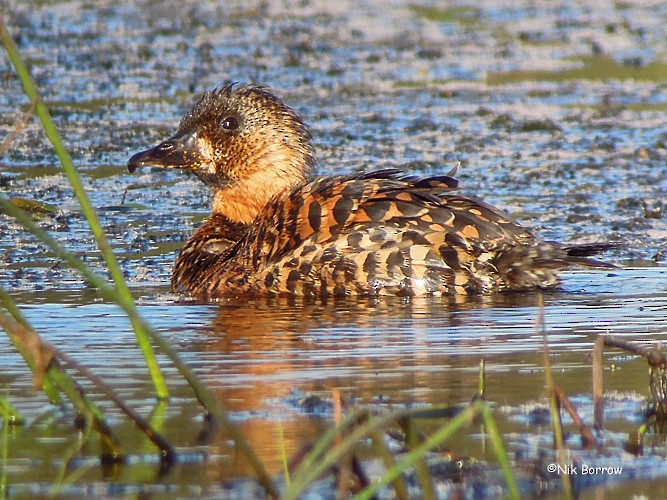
x=265 y=357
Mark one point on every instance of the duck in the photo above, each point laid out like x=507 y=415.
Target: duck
x=274 y=230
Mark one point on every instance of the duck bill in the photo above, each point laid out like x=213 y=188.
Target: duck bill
x=179 y=151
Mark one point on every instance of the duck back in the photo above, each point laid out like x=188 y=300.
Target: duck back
x=381 y=233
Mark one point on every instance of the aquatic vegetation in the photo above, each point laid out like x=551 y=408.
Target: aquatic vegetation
x=587 y=68
x=121 y=295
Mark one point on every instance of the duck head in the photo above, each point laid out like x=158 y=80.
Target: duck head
x=244 y=143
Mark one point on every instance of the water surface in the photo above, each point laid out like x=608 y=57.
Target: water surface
x=554 y=112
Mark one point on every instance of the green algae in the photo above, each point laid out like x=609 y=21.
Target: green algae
x=461 y=15
x=33 y=207
x=601 y=68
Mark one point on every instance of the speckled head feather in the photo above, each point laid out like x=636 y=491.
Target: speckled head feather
x=238 y=128
x=211 y=106
x=254 y=101
x=242 y=142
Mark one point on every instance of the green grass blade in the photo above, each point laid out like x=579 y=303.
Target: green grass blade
x=388 y=460
x=423 y=475
x=12 y=308
x=321 y=448
x=206 y=398
x=168 y=454
x=47 y=384
x=417 y=453
x=30 y=346
x=283 y=453
x=157 y=417
x=501 y=454
x=85 y=407
x=60 y=480
x=481 y=386
x=123 y=292
x=321 y=458
x=4 y=456
x=554 y=408
x=9 y=413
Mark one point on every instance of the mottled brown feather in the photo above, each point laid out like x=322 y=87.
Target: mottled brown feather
x=293 y=248
x=383 y=232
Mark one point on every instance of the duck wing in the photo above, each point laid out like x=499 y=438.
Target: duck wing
x=388 y=233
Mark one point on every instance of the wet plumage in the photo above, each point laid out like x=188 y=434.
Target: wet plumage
x=272 y=231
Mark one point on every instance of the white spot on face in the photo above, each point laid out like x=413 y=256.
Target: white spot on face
x=207 y=154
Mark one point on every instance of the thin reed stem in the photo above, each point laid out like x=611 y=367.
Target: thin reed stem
x=4 y=456
x=554 y=407
x=501 y=454
x=203 y=394
x=417 y=453
x=122 y=294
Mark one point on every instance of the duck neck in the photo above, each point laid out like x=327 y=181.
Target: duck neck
x=242 y=201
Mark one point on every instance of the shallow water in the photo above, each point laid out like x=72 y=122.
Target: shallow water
x=555 y=112
x=275 y=363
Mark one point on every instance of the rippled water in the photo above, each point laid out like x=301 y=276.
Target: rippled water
x=556 y=113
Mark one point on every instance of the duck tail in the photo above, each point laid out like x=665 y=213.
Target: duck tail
x=525 y=267
x=578 y=254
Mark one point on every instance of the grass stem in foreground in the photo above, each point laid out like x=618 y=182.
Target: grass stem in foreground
x=203 y=394
x=554 y=408
x=47 y=384
x=8 y=412
x=4 y=456
x=501 y=454
x=598 y=384
x=417 y=453
x=123 y=295
x=283 y=452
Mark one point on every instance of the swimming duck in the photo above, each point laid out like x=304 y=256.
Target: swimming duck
x=274 y=232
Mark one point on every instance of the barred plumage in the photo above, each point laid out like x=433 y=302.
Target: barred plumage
x=272 y=232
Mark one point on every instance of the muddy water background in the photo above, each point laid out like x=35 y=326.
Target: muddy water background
x=555 y=112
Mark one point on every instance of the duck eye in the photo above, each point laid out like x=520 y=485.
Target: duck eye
x=229 y=124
